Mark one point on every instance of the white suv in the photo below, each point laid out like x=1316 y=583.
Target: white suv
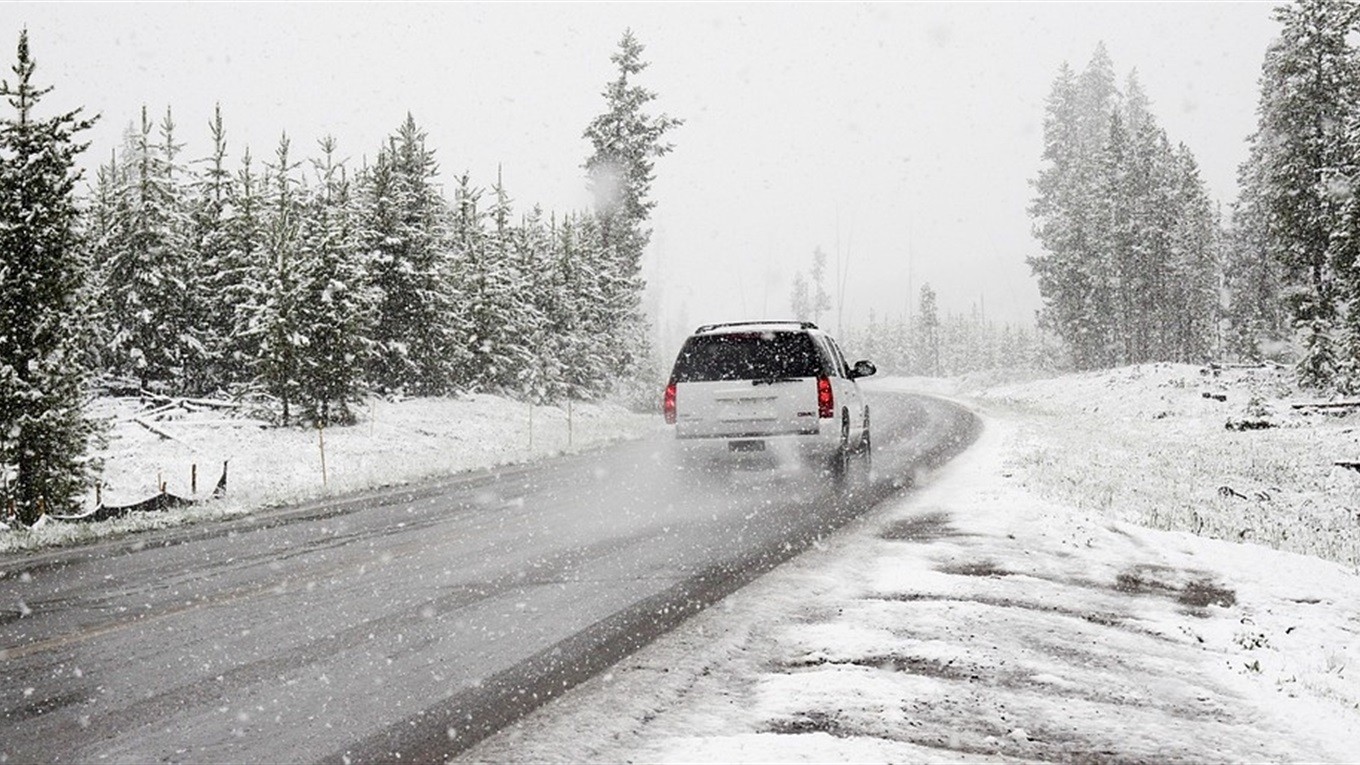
x=768 y=392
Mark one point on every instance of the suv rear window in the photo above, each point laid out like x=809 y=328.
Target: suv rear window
x=747 y=356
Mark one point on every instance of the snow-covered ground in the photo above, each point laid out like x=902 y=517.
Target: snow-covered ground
x=395 y=442
x=1042 y=597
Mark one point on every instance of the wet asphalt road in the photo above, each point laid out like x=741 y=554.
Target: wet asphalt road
x=401 y=624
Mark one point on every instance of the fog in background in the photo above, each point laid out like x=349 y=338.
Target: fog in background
x=900 y=138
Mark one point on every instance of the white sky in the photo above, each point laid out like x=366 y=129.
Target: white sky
x=880 y=130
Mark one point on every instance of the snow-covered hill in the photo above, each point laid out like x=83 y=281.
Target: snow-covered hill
x=1042 y=597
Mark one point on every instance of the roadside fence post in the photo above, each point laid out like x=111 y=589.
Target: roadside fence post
x=321 y=440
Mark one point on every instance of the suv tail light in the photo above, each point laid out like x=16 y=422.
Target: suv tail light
x=826 y=403
x=668 y=403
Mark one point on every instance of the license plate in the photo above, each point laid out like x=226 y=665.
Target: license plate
x=746 y=446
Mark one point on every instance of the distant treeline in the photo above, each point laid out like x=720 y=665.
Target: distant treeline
x=1136 y=265
x=1129 y=269
x=931 y=344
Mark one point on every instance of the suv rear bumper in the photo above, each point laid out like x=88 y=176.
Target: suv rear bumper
x=759 y=451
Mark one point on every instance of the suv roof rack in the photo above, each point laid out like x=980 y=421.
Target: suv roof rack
x=710 y=327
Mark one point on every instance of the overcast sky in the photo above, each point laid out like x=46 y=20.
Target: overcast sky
x=901 y=136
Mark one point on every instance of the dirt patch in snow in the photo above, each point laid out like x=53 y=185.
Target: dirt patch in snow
x=926 y=527
x=1101 y=618
x=1200 y=592
x=974 y=568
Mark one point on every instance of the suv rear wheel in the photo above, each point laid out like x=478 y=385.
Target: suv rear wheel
x=865 y=480
x=839 y=466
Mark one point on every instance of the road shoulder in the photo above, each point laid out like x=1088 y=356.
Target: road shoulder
x=970 y=620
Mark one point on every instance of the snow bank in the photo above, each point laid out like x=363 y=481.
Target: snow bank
x=1151 y=445
x=395 y=442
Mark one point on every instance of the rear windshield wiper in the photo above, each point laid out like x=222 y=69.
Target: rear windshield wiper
x=773 y=380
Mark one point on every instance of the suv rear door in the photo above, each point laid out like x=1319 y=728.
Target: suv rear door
x=746 y=384
x=847 y=392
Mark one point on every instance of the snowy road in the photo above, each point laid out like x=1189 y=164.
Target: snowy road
x=412 y=621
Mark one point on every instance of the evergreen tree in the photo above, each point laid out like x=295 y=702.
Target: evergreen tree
x=820 y=300
x=1068 y=272
x=274 y=314
x=44 y=433
x=238 y=280
x=626 y=142
x=150 y=333
x=490 y=292
x=417 y=343
x=538 y=375
x=102 y=221
x=481 y=294
x=1194 y=274
x=1308 y=90
x=333 y=306
x=1318 y=364
x=929 y=353
x=595 y=354
x=216 y=285
x=1253 y=276
x=1113 y=262
x=800 y=299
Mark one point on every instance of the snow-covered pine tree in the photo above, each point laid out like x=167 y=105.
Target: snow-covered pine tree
x=1343 y=187
x=145 y=270
x=1112 y=262
x=819 y=300
x=539 y=373
x=560 y=308
x=626 y=142
x=569 y=294
x=240 y=277
x=1147 y=283
x=587 y=266
x=800 y=299
x=1096 y=104
x=334 y=307
x=1141 y=267
x=928 y=352
x=871 y=343
x=1194 y=274
x=192 y=306
x=417 y=318
x=44 y=432
x=103 y=217
x=490 y=289
x=1309 y=88
x=216 y=282
x=1068 y=269
x=1318 y=365
x=1253 y=276
x=274 y=323
x=481 y=294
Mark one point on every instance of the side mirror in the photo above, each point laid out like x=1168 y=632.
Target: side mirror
x=863 y=369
